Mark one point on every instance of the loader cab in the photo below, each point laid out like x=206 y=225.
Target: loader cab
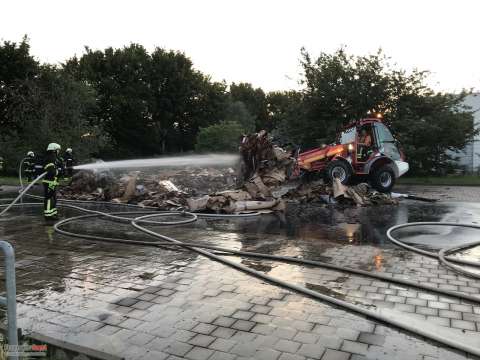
x=382 y=142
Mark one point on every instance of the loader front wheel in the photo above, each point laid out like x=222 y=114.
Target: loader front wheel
x=337 y=169
x=383 y=179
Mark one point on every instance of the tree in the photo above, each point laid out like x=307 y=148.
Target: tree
x=120 y=79
x=432 y=128
x=340 y=88
x=237 y=112
x=16 y=66
x=52 y=107
x=149 y=103
x=221 y=137
x=254 y=100
x=287 y=115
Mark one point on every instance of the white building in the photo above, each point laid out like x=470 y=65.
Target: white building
x=470 y=156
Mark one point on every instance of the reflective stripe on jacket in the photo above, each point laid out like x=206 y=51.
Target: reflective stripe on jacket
x=51 y=178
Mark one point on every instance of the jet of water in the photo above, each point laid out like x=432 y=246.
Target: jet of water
x=172 y=161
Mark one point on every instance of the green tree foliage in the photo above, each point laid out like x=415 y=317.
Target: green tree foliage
x=40 y=104
x=237 y=112
x=255 y=101
x=432 y=128
x=16 y=65
x=225 y=136
x=52 y=107
x=149 y=103
x=340 y=88
x=221 y=137
x=288 y=117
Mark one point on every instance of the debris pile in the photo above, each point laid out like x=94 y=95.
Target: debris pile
x=360 y=195
x=162 y=194
x=265 y=184
x=102 y=186
x=232 y=202
x=88 y=185
x=265 y=166
x=310 y=192
x=196 y=181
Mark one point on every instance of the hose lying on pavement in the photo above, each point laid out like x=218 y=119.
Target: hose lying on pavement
x=383 y=315
x=22 y=193
x=447 y=261
x=441 y=256
x=59 y=228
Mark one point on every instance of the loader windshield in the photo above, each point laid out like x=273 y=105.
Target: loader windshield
x=386 y=142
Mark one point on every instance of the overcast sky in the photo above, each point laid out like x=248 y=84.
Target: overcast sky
x=259 y=41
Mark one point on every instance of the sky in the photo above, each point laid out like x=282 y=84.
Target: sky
x=259 y=41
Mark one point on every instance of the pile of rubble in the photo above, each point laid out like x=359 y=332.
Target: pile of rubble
x=167 y=190
x=262 y=184
x=360 y=195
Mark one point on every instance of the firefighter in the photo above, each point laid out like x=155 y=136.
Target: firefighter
x=69 y=162
x=52 y=166
x=30 y=166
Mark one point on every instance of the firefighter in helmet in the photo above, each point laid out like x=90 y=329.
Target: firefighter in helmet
x=69 y=162
x=52 y=167
x=29 y=163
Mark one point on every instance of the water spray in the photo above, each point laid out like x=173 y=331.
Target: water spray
x=171 y=161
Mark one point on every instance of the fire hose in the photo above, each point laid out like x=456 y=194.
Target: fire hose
x=218 y=254
x=447 y=261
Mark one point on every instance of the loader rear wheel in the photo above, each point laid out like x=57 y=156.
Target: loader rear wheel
x=383 y=179
x=337 y=169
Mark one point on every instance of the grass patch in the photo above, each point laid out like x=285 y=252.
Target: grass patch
x=9 y=180
x=463 y=180
x=13 y=181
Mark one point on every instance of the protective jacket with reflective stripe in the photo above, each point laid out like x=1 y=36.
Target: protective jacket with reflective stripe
x=51 y=168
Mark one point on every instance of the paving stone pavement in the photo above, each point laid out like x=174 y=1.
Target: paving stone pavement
x=147 y=303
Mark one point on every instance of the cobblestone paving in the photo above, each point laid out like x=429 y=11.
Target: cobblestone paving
x=145 y=303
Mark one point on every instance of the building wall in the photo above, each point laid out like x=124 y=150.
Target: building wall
x=474 y=102
x=470 y=155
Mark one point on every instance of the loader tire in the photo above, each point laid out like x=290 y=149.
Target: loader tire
x=337 y=168
x=383 y=179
